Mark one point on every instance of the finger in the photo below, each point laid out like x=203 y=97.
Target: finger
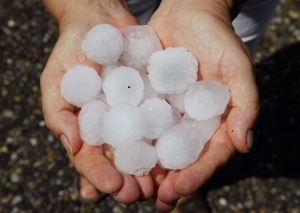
x=129 y=192
x=158 y=174
x=95 y=167
x=164 y=207
x=214 y=155
x=145 y=186
x=166 y=192
x=245 y=105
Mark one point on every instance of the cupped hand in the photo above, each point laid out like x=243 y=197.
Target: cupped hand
x=204 y=28
x=61 y=117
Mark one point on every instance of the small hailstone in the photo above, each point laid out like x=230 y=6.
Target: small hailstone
x=80 y=85
x=205 y=128
x=172 y=70
x=158 y=117
x=178 y=147
x=146 y=140
x=122 y=125
x=206 y=99
x=109 y=69
x=136 y=159
x=149 y=91
x=176 y=116
x=124 y=84
x=103 y=44
x=88 y=119
x=177 y=100
x=140 y=41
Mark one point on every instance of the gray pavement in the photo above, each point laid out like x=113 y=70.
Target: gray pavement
x=36 y=175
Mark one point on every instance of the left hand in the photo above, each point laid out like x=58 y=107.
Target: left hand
x=205 y=29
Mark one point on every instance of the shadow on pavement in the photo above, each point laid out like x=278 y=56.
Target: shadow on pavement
x=276 y=149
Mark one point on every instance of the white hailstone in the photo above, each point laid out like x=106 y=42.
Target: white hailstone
x=140 y=41
x=80 y=85
x=205 y=128
x=172 y=70
x=103 y=44
x=124 y=84
x=122 y=125
x=136 y=159
x=88 y=119
x=178 y=147
x=157 y=115
x=149 y=91
x=146 y=140
x=109 y=69
x=176 y=116
x=177 y=100
x=206 y=99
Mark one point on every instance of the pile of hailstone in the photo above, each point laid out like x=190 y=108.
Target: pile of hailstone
x=140 y=97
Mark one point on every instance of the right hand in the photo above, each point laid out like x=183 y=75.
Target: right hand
x=75 y=20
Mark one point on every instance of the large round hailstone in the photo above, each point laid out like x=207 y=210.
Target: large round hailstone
x=88 y=119
x=177 y=100
x=123 y=85
x=140 y=41
x=80 y=85
x=103 y=44
x=122 y=125
x=149 y=91
x=206 y=99
x=136 y=159
x=205 y=128
x=158 y=117
x=178 y=147
x=172 y=70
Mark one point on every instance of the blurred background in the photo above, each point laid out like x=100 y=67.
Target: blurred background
x=36 y=175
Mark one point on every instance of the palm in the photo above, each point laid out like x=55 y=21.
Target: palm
x=61 y=117
x=222 y=56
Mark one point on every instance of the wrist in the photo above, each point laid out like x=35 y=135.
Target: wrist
x=219 y=8
x=97 y=11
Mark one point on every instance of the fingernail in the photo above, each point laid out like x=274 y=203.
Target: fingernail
x=114 y=194
x=66 y=144
x=249 y=139
x=182 y=196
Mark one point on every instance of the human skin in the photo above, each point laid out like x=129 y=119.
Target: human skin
x=204 y=28
x=75 y=19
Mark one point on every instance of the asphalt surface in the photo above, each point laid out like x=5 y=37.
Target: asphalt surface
x=36 y=175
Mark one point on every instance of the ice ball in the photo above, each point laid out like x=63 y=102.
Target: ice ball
x=172 y=70
x=206 y=99
x=122 y=125
x=177 y=100
x=124 y=84
x=205 y=128
x=136 y=159
x=176 y=116
x=80 y=85
x=178 y=147
x=157 y=114
x=140 y=41
x=88 y=119
x=103 y=44
x=149 y=91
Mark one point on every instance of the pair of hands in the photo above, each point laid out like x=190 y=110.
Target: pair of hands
x=205 y=29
